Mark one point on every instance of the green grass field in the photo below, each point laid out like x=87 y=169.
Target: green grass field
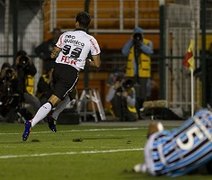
x=76 y=152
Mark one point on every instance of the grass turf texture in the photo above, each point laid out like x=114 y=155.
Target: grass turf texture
x=76 y=152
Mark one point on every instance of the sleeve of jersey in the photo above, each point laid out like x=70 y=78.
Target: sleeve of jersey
x=60 y=41
x=95 y=49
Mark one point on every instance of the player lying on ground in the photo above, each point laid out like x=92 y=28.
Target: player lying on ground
x=179 y=151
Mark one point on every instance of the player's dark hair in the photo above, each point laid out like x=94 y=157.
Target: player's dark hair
x=83 y=18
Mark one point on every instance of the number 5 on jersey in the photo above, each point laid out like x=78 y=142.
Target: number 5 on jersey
x=191 y=134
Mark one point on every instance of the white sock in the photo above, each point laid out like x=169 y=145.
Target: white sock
x=41 y=113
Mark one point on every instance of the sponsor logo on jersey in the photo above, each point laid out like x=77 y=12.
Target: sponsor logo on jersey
x=72 y=39
x=67 y=60
x=70 y=61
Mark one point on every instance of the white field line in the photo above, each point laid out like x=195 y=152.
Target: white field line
x=69 y=153
x=80 y=130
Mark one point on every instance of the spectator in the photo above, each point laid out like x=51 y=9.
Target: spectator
x=181 y=150
x=45 y=48
x=122 y=97
x=138 y=67
x=9 y=97
x=44 y=86
x=26 y=71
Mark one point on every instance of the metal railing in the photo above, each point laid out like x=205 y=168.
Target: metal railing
x=109 y=16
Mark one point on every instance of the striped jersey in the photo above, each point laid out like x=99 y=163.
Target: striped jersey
x=181 y=150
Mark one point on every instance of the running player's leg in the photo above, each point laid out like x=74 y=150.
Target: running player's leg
x=71 y=97
x=65 y=78
x=52 y=117
x=60 y=107
x=41 y=113
x=45 y=109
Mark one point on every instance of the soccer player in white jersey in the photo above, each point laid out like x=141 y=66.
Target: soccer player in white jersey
x=179 y=151
x=71 y=52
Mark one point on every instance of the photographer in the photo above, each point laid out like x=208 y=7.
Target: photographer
x=9 y=98
x=138 y=49
x=122 y=97
x=26 y=71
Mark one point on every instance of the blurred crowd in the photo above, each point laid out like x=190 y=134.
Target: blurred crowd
x=18 y=98
x=127 y=91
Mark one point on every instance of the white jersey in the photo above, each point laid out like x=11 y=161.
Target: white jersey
x=76 y=46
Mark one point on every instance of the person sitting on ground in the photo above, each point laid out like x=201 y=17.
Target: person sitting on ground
x=179 y=151
x=122 y=97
